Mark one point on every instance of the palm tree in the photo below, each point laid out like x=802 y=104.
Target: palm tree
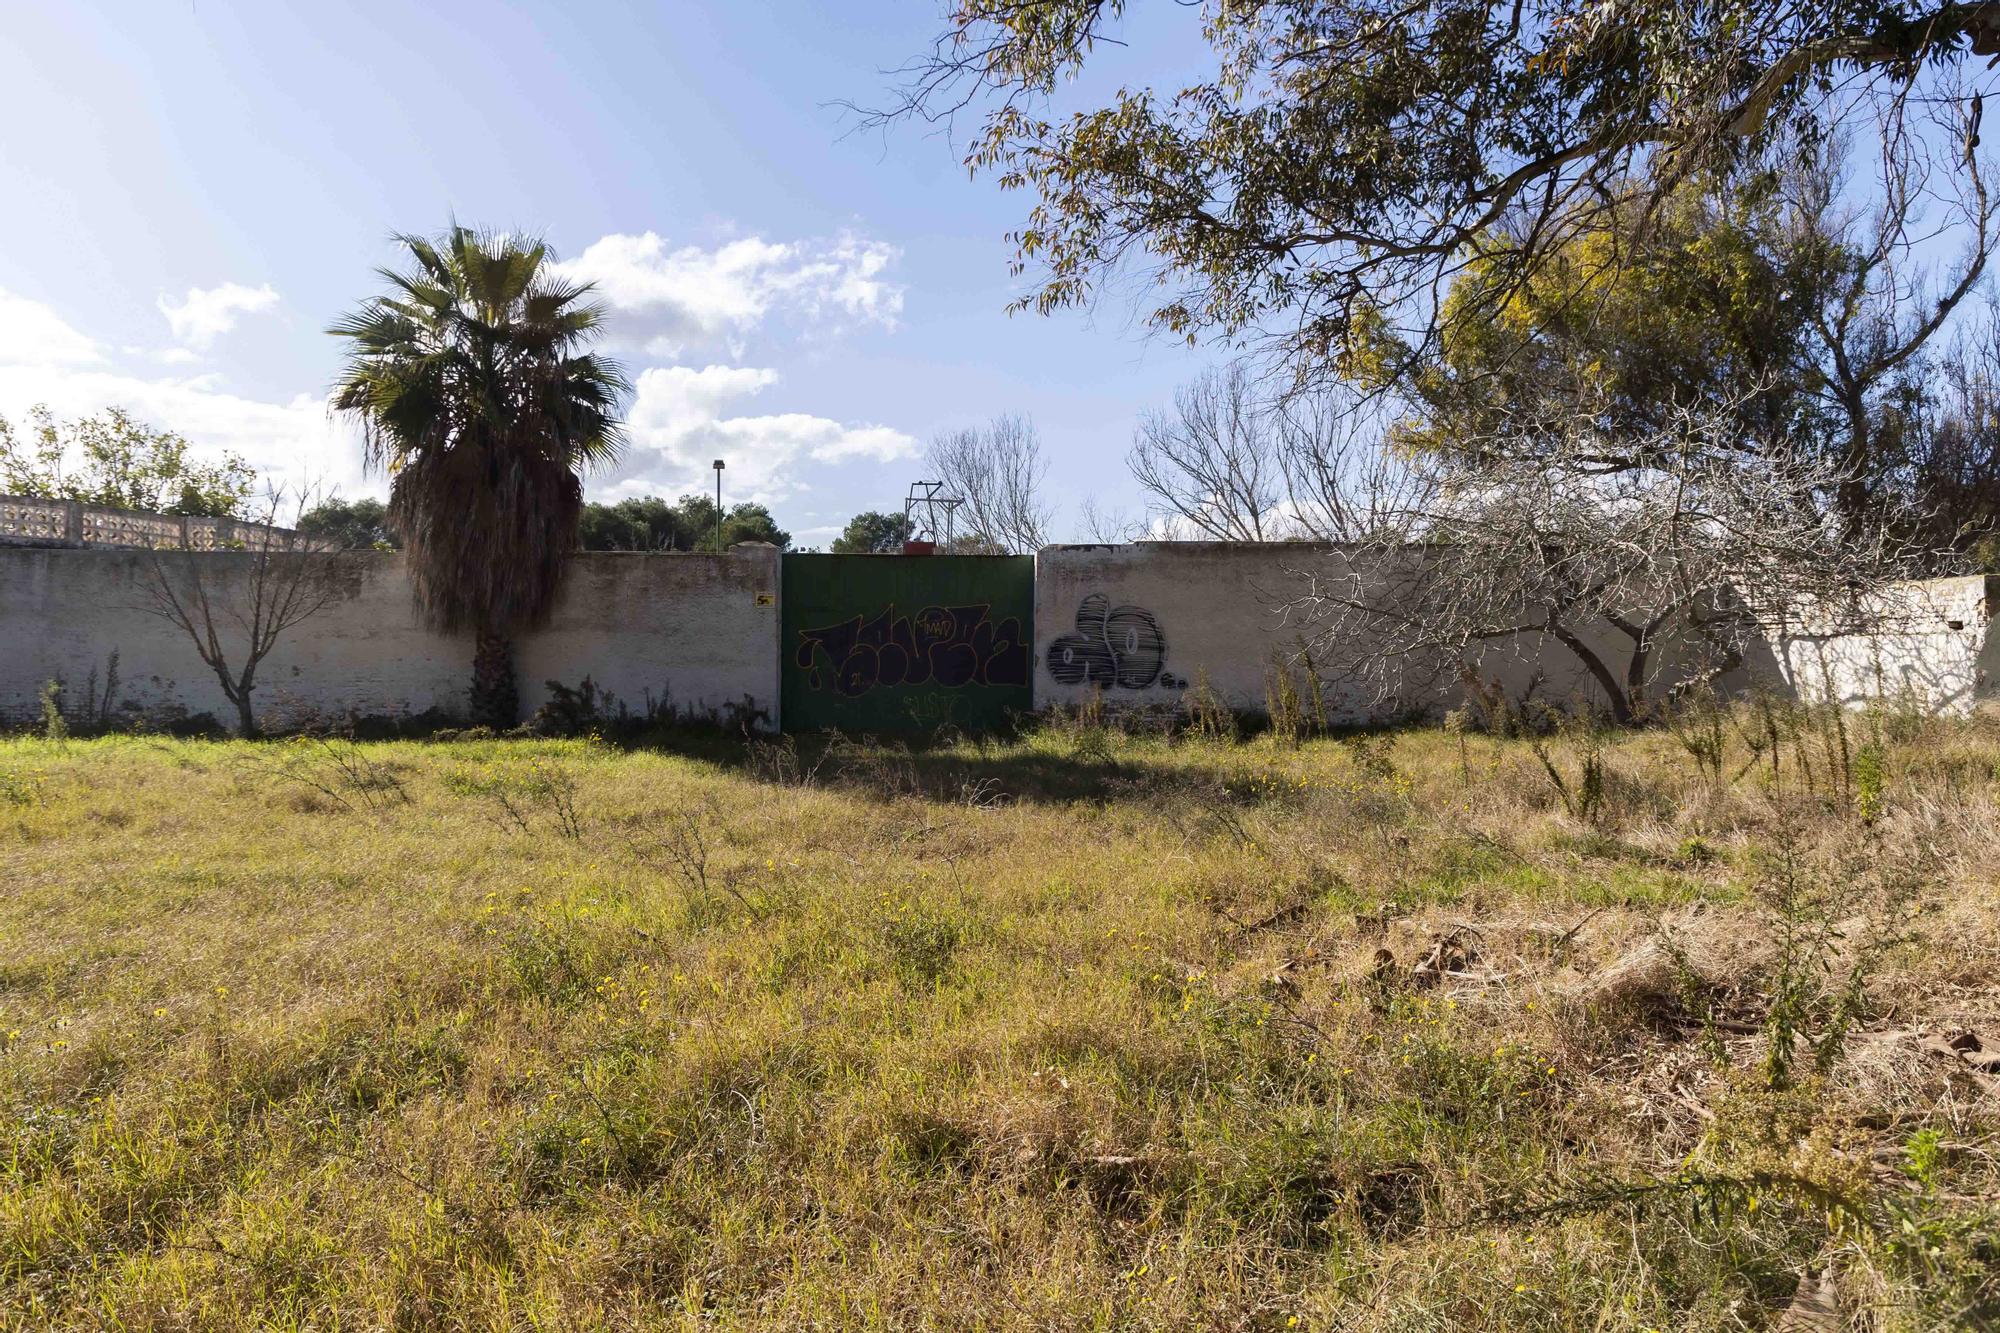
x=477 y=398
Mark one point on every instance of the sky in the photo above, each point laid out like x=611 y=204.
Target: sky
x=192 y=190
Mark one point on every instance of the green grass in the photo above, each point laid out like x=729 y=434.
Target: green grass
x=1083 y=1030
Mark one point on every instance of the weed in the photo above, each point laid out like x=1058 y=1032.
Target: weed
x=1695 y=850
x=336 y=768
x=544 y=947
x=1456 y=722
x=1583 y=795
x=55 y=727
x=1293 y=698
x=682 y=846
x=1871 y=781
x=1923 y=1157
x=921 y=941
x=1829 y=936
x=1208 y=717
x=779 y=761
x=1371 y=753
x=1698 y=722
x=583 y=711
x=20 y=789
x=517 y=796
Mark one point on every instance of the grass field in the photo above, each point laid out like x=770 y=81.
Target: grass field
x=1079 y=1031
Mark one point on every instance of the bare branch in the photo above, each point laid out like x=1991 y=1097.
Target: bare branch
x=235 y=606
x=998 y=471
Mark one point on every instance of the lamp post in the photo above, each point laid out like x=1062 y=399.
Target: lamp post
x=718 y=506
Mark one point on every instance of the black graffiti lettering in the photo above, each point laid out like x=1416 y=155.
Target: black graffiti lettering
x=953 y=646
x=1120 y=646
x=1003 y=655
x=836 y=642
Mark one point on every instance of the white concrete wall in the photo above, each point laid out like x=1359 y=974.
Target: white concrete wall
x=1220 y=608
x=699 y=629
x=1934 y=644
x=702 y=633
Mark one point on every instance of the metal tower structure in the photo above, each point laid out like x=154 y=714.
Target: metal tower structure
x=924 y=506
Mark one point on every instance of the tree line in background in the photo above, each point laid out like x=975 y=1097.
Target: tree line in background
x=996 y=470
x=116 y=461
x=688 y=524
x=647 y=523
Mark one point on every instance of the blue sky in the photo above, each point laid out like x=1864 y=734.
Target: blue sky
x=190 y=190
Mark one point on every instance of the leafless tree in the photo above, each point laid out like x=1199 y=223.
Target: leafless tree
x=1109 y=526
x=1709 y=549
x=236 y=604
x=1236 y=460
x=1341 y=483
x=998 y=471
x=1211 y=461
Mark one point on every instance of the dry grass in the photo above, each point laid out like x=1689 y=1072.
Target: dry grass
x=1083 y=1031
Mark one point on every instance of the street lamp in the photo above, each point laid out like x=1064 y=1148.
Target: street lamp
x=718 y=506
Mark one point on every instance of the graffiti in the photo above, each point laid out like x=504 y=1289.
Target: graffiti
x=1120 y=646
x=952 y=646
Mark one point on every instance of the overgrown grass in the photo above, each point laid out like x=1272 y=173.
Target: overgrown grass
x=1084 y=1030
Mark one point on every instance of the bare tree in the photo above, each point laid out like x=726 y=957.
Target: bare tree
x=1109 y=526
x=1212 y=460
x=1237 y=461
x=998 y=471
x=1709 y=549
x=1341 y=483
x=236 y=604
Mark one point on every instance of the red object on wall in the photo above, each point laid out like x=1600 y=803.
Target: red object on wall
x=919 y=548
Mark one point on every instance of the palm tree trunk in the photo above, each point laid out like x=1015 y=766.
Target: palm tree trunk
x=495 y=702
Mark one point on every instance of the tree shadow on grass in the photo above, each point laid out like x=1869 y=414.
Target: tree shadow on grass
x=951 y=771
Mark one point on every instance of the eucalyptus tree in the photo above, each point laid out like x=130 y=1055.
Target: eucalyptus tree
x=1332 y=164
x=477 y=394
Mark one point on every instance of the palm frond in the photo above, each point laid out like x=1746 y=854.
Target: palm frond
x=475 y=397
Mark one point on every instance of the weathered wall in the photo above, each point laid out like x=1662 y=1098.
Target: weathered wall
x=703 y=633
x=1935 y=645
x=1170 y=611
x=888 y=643
x=699 y=630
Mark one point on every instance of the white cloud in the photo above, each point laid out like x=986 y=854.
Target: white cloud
x=44 y=360
x=672 y=400
x=31 y=334
x=678 y=425
x=681 y=417
x=669 y=300
x=206 y=313
x=291 y=444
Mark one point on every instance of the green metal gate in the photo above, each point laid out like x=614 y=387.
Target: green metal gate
x=888 y=643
